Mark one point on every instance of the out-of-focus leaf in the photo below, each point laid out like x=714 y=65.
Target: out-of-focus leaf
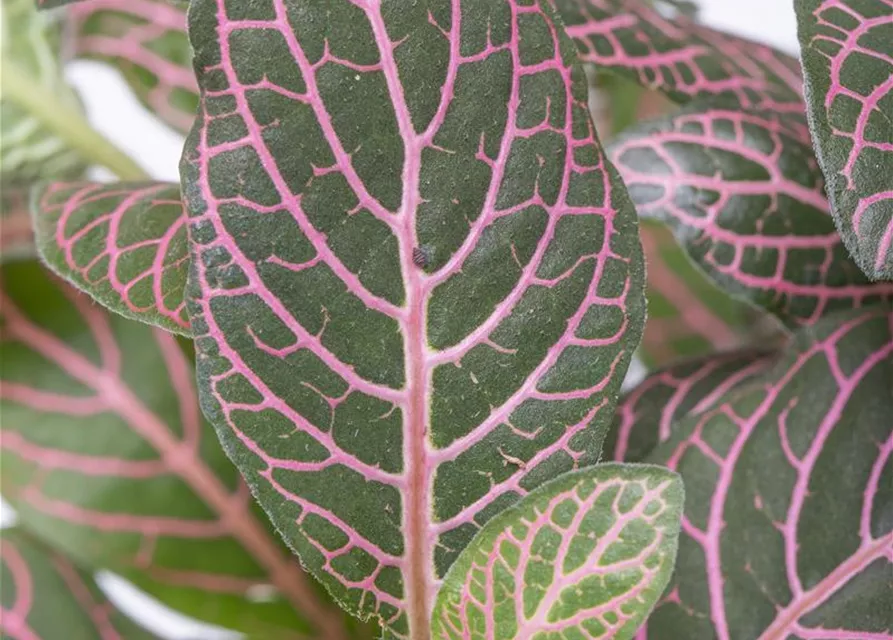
x=647 y=415
x=746 y=198
x=104 y=455
x=124 y=244
x=43 y=596
x=31 y=42
x=584 y=556
x=146 y=40
x=416 y=280
x=16 y=236
x=788 y=525
x=847 y=54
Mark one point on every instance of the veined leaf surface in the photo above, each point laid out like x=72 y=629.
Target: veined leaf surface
x=681 y=58
x=105 y=456
x=746 y=198
x=647 y=415
x=43 y=596
x=848 y=65
x=416 y=280
x=31 y=43
x=146 y=40
x=788 y=517
x=584 y=556
x=124 y=244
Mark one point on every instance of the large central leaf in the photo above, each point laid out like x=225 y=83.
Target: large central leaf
x=416 y=280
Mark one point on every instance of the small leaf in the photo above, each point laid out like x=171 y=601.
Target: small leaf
x=416 y=281
x=746 y=198
x=16 y=235
x=688 y=315
x=146 y=40
x=648 y=414
x=106 y=457
x=124 y=244
x=681 y=58
x=788 y=526
x=31 y=42
x=584 y=556
x=44 y=595
x=847 y=50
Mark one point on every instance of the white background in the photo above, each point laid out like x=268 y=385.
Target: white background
x=113 y=110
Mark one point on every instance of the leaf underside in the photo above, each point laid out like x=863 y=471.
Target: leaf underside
x=43 y=595
x=106 y=457
x=123 y=243
x=584 y=556
x=789 y=510
x=847 y=51
x=648 y=414
x=416 y=280
x=146 y=40
x=746 y=198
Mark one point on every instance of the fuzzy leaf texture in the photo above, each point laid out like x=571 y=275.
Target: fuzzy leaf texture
x=146 y=40
x=44 y=596
x=32 y=42
x=681 y=58
x=746 y=198
x=105 y=456
x=584 y=556
x=416 y=280
x=124 y=244
x=847 y=55
x=648 y=415
x=789 y=508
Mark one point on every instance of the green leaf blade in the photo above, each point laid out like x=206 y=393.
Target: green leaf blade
x=391 y=306
x=848 y=66
x=44 y=595
x=586 y=555
x=106 y=458
x=124 y=244
x=788 y=528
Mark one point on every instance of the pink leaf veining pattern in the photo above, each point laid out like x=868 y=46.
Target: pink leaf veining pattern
x=682 y=58
x=848 y=60
x=257 y=315
x=45 y=596
x=788 y=522
x=647 y=415
x=585 y=556
x=125 y=244
x=146 y=40
x=83 y=373
x=747 y=199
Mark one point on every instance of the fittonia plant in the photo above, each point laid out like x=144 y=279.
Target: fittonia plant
x=393 y=301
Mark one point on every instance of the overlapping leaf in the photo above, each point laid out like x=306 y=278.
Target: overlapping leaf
x=789 y=509
x=146 y=40
x=688 y=315
x=681 y=58
x=848 y=65
x=584 y=556
x=106 y=457
x=646 y=415
x=746 y=198
x=31 y=44
x=44 y=596
x=124 y=244
x=416 y=282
